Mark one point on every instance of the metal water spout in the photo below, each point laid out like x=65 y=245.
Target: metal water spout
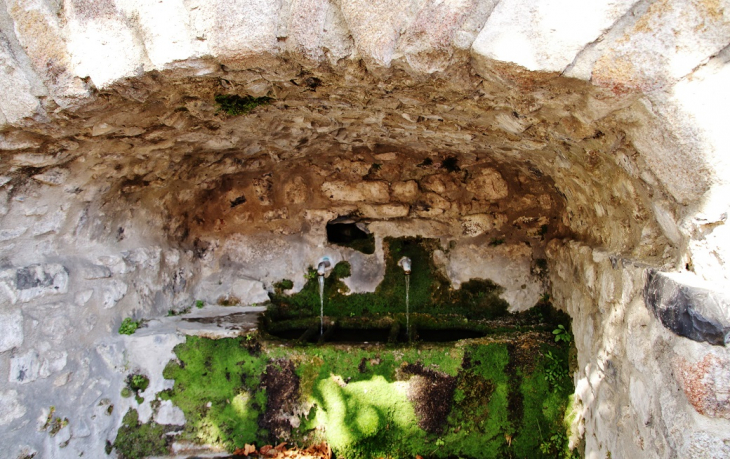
x=405 y=263
x=322 y=266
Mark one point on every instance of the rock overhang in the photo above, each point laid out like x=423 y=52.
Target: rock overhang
x=123 y=158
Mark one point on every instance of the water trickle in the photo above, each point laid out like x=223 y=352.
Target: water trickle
x=408 y=322
x=321 y=304
x=405 y=263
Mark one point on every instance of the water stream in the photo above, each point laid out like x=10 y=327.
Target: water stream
x=408 y=322
x=321 y=304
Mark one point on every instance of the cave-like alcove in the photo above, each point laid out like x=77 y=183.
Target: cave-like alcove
x=369 y=229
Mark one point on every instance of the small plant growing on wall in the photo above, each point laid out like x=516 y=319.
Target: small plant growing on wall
x=135 y=384
x=496 y=241
x=129 y=326
x=236 y=105
x=561 y=334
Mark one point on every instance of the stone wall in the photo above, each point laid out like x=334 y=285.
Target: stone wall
x=641 y=390
x=118 y=179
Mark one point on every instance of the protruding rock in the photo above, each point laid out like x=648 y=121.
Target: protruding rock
x=687 y=307
x=25 y=284
x=375 y=191
x=112 y=292
x=477 y=224
x=384 y=211
x=488 y=184
x=53 y=177
x=431 y=205
x=544 y=36
x=405 y=191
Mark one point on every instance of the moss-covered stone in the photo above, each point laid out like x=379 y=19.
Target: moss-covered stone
x=429 y=293
x=137 y=441
x=360 y=399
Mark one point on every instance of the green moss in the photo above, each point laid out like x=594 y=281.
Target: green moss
x=285 y=284
x=129 y=326
x=236 y=105
x=496 y=241
x=430 y=292
x=217 y=387
x=479 y=423
x=138 y=383
x=137 y=441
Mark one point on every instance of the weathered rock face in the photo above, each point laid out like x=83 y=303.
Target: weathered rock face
x=588 y=136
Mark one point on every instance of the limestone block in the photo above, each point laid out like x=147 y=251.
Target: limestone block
x=405 y=191
x=688 y=306
x=371 y=191
x=164 y=28
x=25 y=368
x=431 y=205
x=442 y=184
x=236 y=30
x=429 y=40
x=53 y=177
x=384 y=211
x=249 y=291
x=91 y=271
x=112 y=292
x=103 y=128
x=13 y=81
x=102 y=43
x=49 y=224
x=10 y=407
x=318 y=30
x=19 y=140
x=666 y=43
x=488 y=184
x=641 y=399
x=4 y=198
x=296 y=191
x=11 y=329
x=37 y=211
x=34 y=281
x=36 y=159
x=37 y=28
x=8 y=234
x=474 y=225
x=169 y=414
x=706 y=383
x=262 y=186
x=225 y=286
x=376 y=27
x=545 y=36
x=507 y=265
